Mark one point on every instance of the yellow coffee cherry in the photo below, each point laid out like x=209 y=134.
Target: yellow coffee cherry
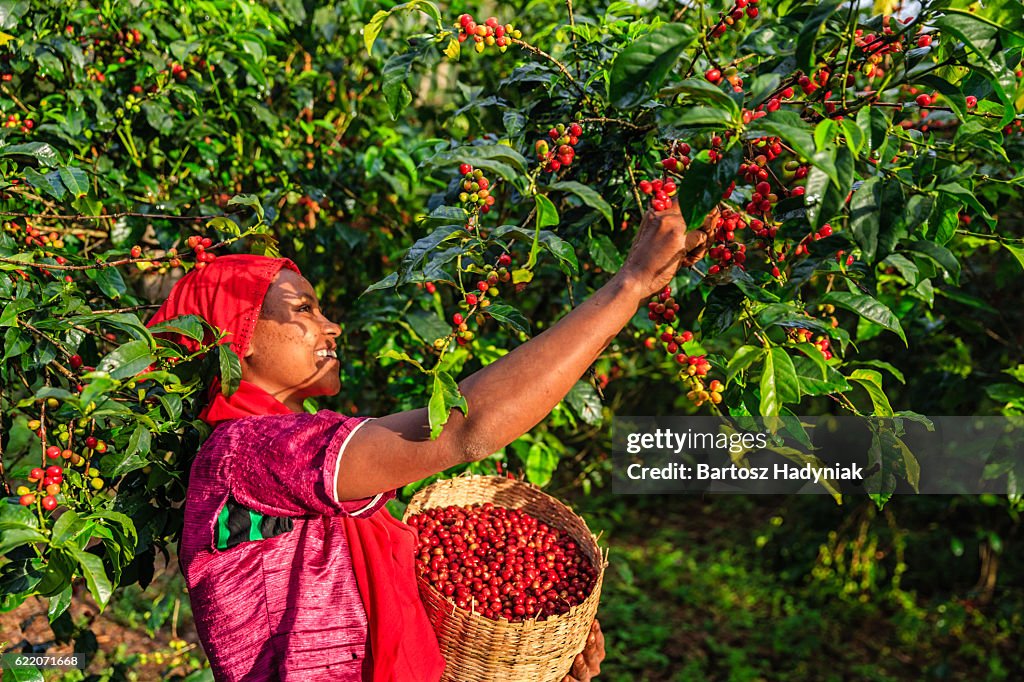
x=96 y=483
x=23 y=490
x=93 y=472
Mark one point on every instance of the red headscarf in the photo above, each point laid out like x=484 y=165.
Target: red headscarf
x=228 y=293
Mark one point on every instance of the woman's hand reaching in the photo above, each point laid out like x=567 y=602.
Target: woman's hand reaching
x=663 y=245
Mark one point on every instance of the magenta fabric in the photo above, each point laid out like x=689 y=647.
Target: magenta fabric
x=288 y=607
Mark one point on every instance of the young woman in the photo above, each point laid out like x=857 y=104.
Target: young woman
x=294 y=570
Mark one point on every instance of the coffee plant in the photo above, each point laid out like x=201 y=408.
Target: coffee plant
x=857 y=172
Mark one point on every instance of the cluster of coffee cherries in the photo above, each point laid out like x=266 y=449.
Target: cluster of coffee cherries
x=179 y=72
x=486 y=289
x=199 y=246
x=475 y=190
x=662 y=192
x=731 y=74
x=726 y=250
x=827 y=312
x=36 y=237
x=801 y=249
x=663 y=308
x=700 y=394
x=501 y=563
x=490 y=33
x=24 y=125
x=807 y=336
x=560 y=152
x=49 y=483
x=733 y=16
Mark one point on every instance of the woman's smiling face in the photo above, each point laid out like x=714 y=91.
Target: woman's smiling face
x=292 y=353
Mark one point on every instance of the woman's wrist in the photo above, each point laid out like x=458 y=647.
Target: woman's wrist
x=629 y=284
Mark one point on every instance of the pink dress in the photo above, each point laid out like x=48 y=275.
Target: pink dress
x=265 y=555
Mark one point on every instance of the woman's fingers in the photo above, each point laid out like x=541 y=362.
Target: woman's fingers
x=587 y=663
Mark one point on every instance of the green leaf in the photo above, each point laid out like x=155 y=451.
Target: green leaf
x=865 y=212
x=109 y=281
x=639 y=70
x=741 y=359
x=810 y=383
x=127 y=360
x=392 y=354
x=779 y=383
x=702 y=187
x=950 y=93
x=372 y=29
x=75 y=180
x=547 y=214
x=32 y=674
x=250 y=200
x=394 y=82
x=872 y=382
x=1017 y=251
x=190 y=326
x=414 y=258
x=541 y=462
x=701 y=90
x=139 y=443
x=941 y=255
x=50 y=183
x=585 y=402
x=814 y=354
x=867 y=307
x=95 y=575
x=17 y=537
x=557 y=246
x=966 y=197
x=589 y=196
x=65 y=528
x=224 y=226
x=981 y=38
x=604 y=253
x=59 y=603
x=882 y=364
x=40 y=151
x=720 y=310
x=1005 y=393
x=508 y=315
x=230 y=369
x=444 y=396
x=806 y=59
x=9 y=317
x=16 y=342
x=694 y=116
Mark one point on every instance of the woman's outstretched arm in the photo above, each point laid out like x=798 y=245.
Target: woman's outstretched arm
x=513 y=394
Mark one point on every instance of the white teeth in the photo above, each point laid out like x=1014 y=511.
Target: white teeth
x=327 y=354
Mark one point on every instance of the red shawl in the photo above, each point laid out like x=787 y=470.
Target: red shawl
x=228 y=293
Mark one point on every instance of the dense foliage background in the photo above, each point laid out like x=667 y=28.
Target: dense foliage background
x=133 y=131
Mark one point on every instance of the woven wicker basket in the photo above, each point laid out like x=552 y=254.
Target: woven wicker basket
x=478 y=649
